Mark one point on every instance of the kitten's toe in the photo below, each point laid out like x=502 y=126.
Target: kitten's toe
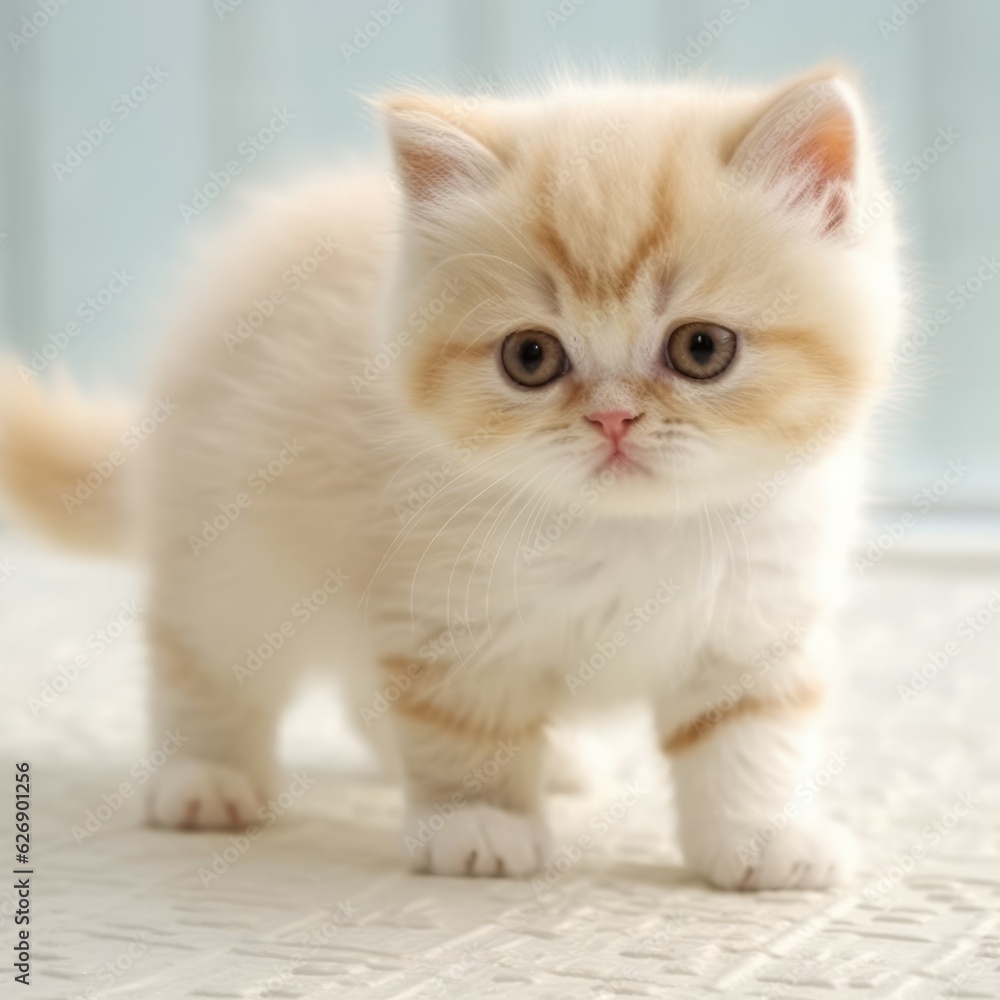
x=199 y=794
x=801 y=856
x=476 y=839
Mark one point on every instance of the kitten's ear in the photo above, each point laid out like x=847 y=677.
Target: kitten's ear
x=434 y=156
x=809 y=139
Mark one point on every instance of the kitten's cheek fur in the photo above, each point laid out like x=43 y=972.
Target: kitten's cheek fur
x=475 y=839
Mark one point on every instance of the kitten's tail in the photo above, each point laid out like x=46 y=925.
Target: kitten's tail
x=57 y=462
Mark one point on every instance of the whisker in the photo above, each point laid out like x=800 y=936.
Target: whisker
x=437 y=534
x=471 y=535
x=475 y=308
x=420 y=513
x=548 y=502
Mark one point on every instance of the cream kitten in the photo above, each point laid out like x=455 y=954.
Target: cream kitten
x=571 y=421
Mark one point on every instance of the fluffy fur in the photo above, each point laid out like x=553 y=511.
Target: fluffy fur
x=346 y=475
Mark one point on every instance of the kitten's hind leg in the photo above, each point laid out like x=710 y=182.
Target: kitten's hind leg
x=218 y=727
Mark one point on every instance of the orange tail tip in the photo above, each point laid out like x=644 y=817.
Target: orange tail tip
x=58 y=467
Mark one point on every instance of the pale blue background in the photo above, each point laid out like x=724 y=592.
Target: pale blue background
x=119 y=208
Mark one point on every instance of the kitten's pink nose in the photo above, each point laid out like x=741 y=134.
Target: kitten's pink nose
x=614 y=424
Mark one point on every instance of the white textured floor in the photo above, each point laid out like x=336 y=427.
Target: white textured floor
x=320 y=906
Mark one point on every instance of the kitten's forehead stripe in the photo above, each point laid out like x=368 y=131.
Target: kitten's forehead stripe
x=550 y=290
x=554 y=246
x=652 y=240
x=604 y=282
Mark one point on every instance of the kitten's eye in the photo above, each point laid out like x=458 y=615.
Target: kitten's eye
x=533 y=358
x=700 y=350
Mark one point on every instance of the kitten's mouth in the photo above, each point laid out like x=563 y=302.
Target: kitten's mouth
x=620 y=463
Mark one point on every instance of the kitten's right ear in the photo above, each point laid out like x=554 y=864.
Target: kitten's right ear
x=435 y=158
x=809 y=136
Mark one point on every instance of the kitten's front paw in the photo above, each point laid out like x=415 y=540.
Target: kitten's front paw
x=801 y=856
x=476 y=839
x=199 y=794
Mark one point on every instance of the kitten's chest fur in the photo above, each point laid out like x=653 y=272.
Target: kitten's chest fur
x=634 y=600
x=609 y=603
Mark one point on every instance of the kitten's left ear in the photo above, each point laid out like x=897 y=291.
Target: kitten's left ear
x=808 y=138
x=435 y=157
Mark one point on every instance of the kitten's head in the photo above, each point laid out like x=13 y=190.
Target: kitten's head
x=668 y=288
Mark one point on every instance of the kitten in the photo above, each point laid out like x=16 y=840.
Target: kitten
x=570 y=416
